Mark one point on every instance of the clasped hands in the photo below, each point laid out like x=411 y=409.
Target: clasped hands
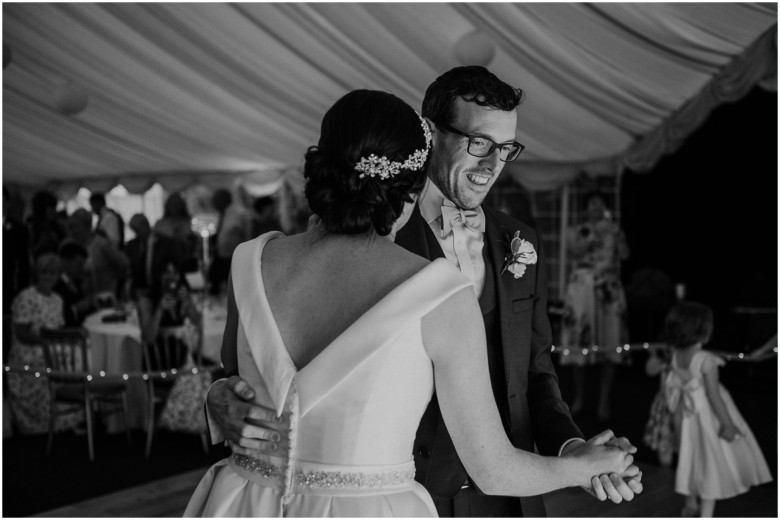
x=615 y=486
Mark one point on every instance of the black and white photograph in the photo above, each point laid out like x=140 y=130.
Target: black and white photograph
x=381 y=259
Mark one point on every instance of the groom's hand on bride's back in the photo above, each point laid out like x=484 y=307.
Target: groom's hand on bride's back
x=249 y=429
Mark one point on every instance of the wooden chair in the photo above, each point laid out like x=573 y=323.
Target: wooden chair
x=168 y=352
x=67 y=363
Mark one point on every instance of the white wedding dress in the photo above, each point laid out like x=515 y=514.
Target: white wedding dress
x=354 y=409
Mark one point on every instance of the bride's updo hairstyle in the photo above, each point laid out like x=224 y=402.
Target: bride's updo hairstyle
x=365 y=135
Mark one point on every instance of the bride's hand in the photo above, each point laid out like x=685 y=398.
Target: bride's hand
x=595 y=457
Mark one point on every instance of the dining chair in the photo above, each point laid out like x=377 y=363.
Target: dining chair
x=168 y=353
x=66 y=353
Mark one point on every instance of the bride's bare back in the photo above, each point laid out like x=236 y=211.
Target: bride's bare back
x=317 y=285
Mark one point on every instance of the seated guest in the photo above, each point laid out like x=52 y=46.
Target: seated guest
x=76 y=303
x=176 y=223
x=155 y=267
x=106 y=265
x=35 y=308
x=168 y=303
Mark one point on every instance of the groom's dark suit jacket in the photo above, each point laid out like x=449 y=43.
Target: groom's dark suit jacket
x=521 y=370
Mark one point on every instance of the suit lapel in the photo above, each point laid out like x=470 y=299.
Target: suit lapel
x=514 y=345
x=416 y=236
x=496 y=243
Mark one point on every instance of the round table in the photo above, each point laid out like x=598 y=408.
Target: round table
x=116 y=349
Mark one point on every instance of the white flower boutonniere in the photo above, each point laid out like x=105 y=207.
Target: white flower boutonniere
x=521 y=254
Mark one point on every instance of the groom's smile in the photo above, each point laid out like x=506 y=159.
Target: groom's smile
x=462 y=177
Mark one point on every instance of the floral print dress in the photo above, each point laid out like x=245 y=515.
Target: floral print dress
x=595 y=301
x=30 y=394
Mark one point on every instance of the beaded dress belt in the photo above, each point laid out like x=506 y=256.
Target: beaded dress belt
x=327 y=479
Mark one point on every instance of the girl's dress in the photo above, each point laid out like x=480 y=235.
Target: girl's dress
x=659 y=430
x=710 y=467
x=595 y=300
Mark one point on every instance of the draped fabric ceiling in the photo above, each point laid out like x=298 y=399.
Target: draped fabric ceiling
x=180 y=93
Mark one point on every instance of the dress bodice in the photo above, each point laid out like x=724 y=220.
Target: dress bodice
x=354 y=409
x=684 y=387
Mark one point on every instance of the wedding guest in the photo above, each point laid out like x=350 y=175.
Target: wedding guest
x=148 y=254
x=46 y=231
x=109 y=223
x=77 y=304
x=595 y=302
x=106 y=264
x=16 y=254
x=36 y=307
x=473 y=117
x=719 y=457
x=176 y=223
x=343 y=334
x=234 y=227
x=264 y=218
x=168 y=303
x=16 y=262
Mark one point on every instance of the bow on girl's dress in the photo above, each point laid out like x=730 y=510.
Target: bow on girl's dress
x=686 y=394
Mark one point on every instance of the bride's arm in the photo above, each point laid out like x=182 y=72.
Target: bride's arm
x=454 y=338
x=230 y=412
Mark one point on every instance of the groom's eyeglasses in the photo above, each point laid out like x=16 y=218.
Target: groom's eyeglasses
x=481 y=146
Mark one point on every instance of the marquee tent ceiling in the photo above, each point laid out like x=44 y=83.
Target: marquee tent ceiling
x=179 y=90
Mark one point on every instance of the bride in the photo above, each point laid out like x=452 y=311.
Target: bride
x=344 y=334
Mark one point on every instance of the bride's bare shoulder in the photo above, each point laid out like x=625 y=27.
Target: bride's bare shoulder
x=407 y=257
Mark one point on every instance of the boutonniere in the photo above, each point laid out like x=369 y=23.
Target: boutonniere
x=521 y=254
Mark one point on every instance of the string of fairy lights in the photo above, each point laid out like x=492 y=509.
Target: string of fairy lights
x=628 y=348
x=104 y=376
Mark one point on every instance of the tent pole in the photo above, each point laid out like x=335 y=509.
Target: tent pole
x=563 y=224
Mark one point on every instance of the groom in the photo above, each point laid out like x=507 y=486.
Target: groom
x=473 y=117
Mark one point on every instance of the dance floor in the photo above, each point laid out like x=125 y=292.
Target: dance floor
x=168 y=497
x=121 y=483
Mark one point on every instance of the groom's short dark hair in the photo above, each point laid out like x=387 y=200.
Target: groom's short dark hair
x=474 y=84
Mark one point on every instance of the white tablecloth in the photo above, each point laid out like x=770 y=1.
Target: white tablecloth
x=116 y=349
x=214 y=319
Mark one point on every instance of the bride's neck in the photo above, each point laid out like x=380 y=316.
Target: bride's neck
x=318 y=235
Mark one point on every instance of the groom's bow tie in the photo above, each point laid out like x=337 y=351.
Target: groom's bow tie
x=451 y=216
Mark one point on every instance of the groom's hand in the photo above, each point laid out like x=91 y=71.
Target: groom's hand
x=249 y=429
x=615 y=486
x=628 y=483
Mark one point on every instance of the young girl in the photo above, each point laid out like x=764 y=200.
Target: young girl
x=718 y=454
